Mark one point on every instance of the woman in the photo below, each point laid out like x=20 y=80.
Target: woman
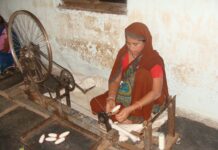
x=137 y=80
x=6 y=59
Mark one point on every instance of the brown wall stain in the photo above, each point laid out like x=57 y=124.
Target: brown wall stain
x=107 y=27
x=102 y=57
x=217 y=78
x=184 y=73
x=96 y=41
x=166 y=19
x=91 y=22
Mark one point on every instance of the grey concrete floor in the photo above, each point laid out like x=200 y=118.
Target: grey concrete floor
x=194 y=135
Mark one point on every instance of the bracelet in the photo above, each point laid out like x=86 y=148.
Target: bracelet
x=110 y=98
x=112 y=93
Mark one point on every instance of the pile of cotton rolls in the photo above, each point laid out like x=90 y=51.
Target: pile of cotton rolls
x=54 y=137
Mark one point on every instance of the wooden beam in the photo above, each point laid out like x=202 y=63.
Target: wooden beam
x=148 y=136
x=170 y=141
x=171 y=117
x=13 y=107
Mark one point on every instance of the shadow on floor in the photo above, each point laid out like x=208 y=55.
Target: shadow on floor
x=195 y=135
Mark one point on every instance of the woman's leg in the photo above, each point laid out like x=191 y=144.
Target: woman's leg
x=98 y=103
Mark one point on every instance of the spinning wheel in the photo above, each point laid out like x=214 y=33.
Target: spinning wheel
x=32 y=55
x=30 y=46
x=66 y=79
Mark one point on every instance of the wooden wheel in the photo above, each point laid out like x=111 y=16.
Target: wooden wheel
x=67 y=79
x=29 y=45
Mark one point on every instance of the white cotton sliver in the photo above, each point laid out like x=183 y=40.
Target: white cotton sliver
x=160 y=120
x=122 y=137
x=132 y=127
x=42 y=138
x=50 y=139
x=64 y=134
x=60 y=140
x=52 y=135
x=128 y=134
x=116 y=108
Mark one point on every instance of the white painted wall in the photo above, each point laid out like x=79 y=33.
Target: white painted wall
x=184 y=32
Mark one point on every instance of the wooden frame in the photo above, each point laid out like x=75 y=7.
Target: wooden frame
x=95 y=6
x=147 y=137
x=171 y=136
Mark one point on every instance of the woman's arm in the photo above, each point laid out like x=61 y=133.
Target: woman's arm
x=112 y=92
x=113 y=86
x=151 y=96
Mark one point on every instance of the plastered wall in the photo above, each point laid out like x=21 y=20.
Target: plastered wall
x=184 y=32
x=87 y=42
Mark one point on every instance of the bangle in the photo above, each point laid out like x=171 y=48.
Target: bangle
x=139 y=106
x=110 y=98
x=112 y=91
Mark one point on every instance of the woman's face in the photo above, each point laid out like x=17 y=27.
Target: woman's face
x=134 y=45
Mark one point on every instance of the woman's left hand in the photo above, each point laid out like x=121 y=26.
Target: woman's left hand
x=123 y=114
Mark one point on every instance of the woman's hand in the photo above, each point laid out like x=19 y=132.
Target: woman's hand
x=110 y=105
x=123 y=114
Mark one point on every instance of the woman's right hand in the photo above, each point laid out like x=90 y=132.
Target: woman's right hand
x=110 y=104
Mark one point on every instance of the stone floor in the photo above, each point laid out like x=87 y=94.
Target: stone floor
x=16 y=120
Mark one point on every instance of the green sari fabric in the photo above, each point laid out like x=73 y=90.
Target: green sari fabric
x=126 y=85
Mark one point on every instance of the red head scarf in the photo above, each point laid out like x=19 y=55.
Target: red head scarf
x=150 y=57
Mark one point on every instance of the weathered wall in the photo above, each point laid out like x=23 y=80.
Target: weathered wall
x=184 y=32
x=87 y=42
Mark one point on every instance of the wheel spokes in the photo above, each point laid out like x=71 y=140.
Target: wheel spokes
x=28 y=37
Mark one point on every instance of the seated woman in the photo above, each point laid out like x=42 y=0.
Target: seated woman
x=6 y=59
x=137 y=81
